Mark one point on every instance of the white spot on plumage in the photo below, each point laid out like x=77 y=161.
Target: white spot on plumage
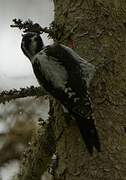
x=70 y=94
x=66 y=90
x=73 y=93
x=87 y=103
x=76 y=99
x=65 y=109
x=66 y=82
x=69 y=89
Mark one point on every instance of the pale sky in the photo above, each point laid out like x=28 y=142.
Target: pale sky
x=13 y=63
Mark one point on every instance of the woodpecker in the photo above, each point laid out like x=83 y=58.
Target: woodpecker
x=66 y=76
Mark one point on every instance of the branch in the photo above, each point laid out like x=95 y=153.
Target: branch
x=29 y=26
x=23 y=92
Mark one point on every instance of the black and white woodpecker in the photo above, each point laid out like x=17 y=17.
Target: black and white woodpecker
x=66 y=76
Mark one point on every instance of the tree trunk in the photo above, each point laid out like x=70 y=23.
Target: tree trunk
x=98 y=30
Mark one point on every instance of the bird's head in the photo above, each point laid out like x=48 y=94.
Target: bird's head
x=31 y=44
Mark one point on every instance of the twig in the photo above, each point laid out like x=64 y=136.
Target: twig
x=23 y=92
x=29 y=26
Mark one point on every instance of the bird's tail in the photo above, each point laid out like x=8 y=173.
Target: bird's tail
x=89 y=134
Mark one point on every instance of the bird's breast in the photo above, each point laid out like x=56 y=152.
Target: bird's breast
x=50 y=69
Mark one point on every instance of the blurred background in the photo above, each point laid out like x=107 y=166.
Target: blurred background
x=18 y=118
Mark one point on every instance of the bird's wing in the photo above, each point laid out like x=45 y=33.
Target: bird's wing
x=87 y=69
x=76 y=66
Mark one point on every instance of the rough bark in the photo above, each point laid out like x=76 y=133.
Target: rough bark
x=99 y=33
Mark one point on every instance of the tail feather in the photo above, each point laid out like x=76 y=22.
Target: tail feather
x=89 y=134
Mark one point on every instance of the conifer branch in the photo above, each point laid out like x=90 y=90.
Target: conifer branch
x=6 y=96
x=29 y=26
